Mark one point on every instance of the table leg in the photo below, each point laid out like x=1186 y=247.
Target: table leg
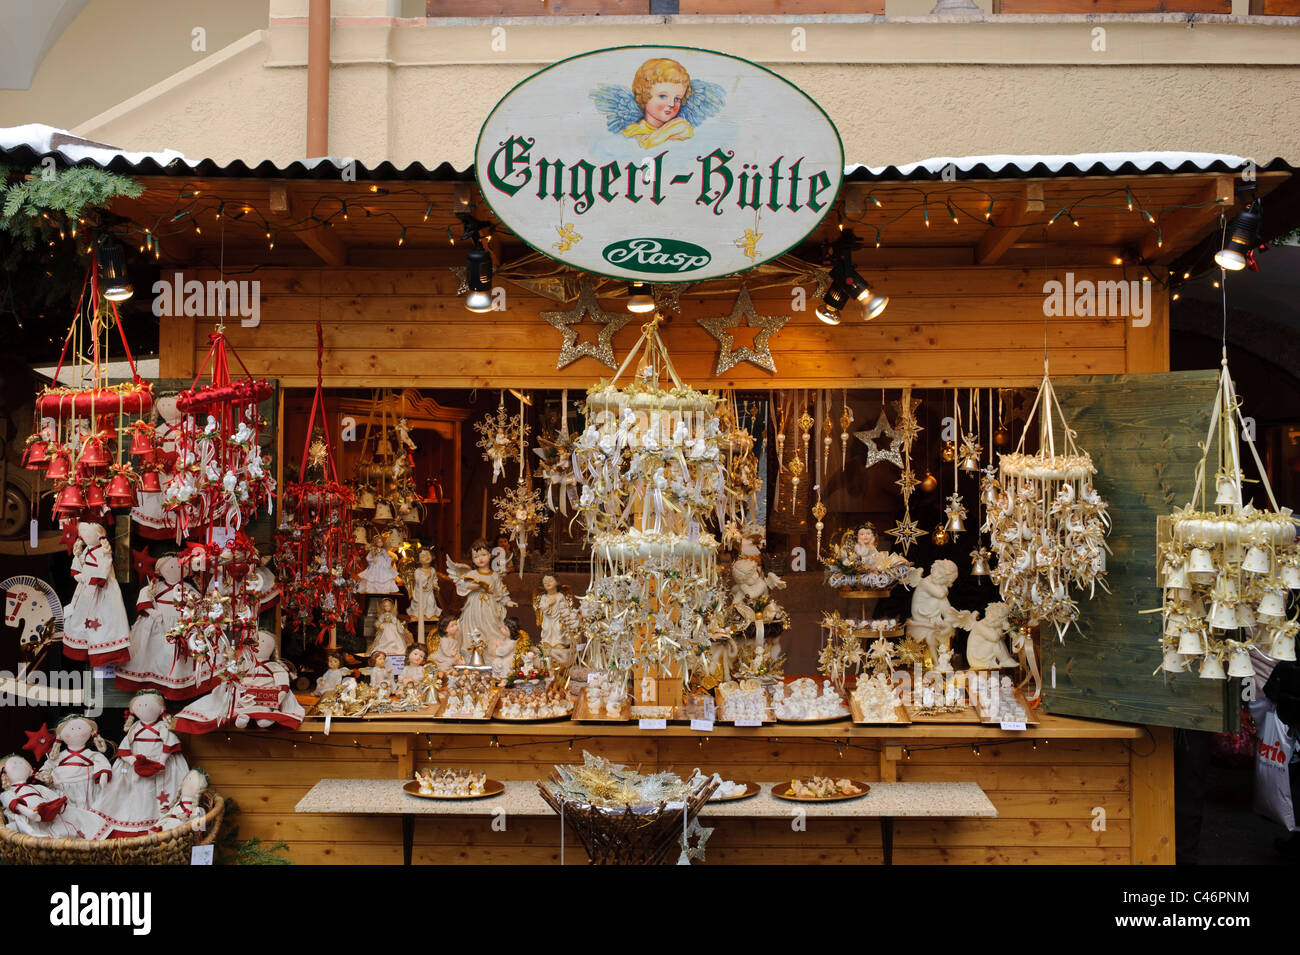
x=887 y=838
x=408 y=837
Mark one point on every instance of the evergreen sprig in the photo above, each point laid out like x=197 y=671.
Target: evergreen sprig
x=68 y=192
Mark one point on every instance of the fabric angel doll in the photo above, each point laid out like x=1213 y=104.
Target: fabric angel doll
x=486 y=596
x=149 y=768
x=155 y=660
x=391 y=636
x=78 y=771
x=257 y=692
x=186 y=807
x=95 y=627
x=151 y=518
x=379 y=575
x=37 y=810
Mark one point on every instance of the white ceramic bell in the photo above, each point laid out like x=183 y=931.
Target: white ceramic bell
x=1212 y=667
x=1229 y=491
x=359 y=535
x=1273 y=604
x=1256 y=561
x=1290 y=576
x=1176 y=578
x=1239 y=662
x=1245 y=615
x=1191 y=643
x=1282 y=647
x=1223 y=615
x=1174 y=662
x=1227 y=588
x=383 y=511
x=1200 y=566
x=365 y=499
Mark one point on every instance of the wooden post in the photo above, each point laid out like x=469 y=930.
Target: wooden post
x=405 y=753
x=1151 y=774
x=890 y=754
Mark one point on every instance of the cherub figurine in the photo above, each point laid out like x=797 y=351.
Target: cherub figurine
x=37 y=810
x=933 y=620
x=95 y=627
x=333 y=675
x=391 y=635
x=413 y=671
x=403 y=430
x=501 y=650
x=986 y=648
x=79 y=772
x=486 y=596
x=448 y=652
x=149 y=768
x=424 y=593
x=378 y=673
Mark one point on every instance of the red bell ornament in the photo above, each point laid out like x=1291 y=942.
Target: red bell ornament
x=95 y=496
x=142 y=442
x=34 y=455
x=93 y=454
x=149 y=483
x=70 y=500
x=119 y=492
x=60 y=466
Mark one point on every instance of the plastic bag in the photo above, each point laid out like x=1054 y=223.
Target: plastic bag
x=1273 y=747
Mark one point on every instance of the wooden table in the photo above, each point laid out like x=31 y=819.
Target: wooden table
x=885 y=801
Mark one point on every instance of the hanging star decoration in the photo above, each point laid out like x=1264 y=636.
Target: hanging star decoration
x=700 y=835
x=568 y=238
x=748 y=243
x=462 y=277
x=610 y=323
x=142 y=562
x=728 y=355
x=821 y=282
x=905 y=422
x=520 y=513
x=906 y=532
x=876 y=454
x=668 y=298
x=317 y=451
x=907 y=484
x=498 y=438
x=39 y=742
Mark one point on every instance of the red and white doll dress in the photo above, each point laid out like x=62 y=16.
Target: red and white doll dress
x=150 y=514
x=77 y=773
x=155 y=661
x=146 y=777
x=95 y=627
x=260 y=694
x=59 y=818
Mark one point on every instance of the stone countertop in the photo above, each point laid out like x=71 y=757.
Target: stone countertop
x=382 y=797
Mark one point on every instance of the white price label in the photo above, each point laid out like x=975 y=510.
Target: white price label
x=647 y=724
x=201 y=855
x=703 y=726
x=105 y=672
x=1013 y=726
x=328 y=717
x=34 y=533
x=221 y=536
x=749 y=723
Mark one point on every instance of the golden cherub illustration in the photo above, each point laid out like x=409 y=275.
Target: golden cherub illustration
x=663 y=104
x=568 y=238
x=749 y=243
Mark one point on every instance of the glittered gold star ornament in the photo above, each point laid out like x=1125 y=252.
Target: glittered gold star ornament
x=462 y=278
x=906 y=532
x=728 y=354
x=697 y=834
x=875 y=453
x=905 y=422
x=603 y=348
x=668 y=299
x=907 y=484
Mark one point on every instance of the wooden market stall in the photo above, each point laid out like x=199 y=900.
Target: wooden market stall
x=371 y=261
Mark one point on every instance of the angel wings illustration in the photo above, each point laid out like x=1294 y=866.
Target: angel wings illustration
x=663 y=104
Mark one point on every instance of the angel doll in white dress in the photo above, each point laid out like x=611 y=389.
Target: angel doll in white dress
x=391 y=636
x=558 y=621
x=95 y=627
x=424 y=593
x=379 y=575
x=153 y=519
x=155 y=661
x=149 y=768
x=76 y=763
x=37 y=810
x=486 y=596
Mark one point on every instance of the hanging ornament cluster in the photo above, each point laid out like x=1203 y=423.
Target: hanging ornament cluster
x=556 y=470
x=740 y=463
x=1047 y=523
x=221 y=477
x=497 y=438
x=316 y=558
x=78 y=432
x=218 y=614
x=386 y=496
x=650 y=467
x=905 y=531
x=1230 y=569
x=520 y=511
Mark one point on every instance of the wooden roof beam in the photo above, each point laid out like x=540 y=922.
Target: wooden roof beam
x=1011 y=218
x=321 y=239
x=1180 y=228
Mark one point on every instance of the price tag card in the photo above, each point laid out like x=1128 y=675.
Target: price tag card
x=749 y=723
x=221 y=536
x=328 y=717
x=703 y=726
x=1013 y=726
x=648 y=724
x=105 y=672
x=201 y=855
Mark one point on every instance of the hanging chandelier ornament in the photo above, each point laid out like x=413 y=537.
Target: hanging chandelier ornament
x=497 y=438
x=1228 y=569
x=806 y=424
x=819 y=512
x=828 y=437
x=1048 y=527
x=520 y=511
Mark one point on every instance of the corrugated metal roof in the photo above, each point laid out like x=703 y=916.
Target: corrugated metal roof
x=31 y=144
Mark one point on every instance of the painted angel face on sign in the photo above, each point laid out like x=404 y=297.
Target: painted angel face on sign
x=664 y=103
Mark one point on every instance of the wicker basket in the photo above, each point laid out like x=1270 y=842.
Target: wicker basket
x=155 y=848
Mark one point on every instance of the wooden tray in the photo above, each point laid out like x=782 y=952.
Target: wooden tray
x=966 y=714
x=488 y=710
x=491 y=787
x=751 y=789
x=820 y=719
x=779 y=792
x=1031 y=718
x=581 y=715
x=899 y=709
x=496 y=715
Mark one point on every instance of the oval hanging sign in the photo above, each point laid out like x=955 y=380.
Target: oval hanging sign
x=659 y=163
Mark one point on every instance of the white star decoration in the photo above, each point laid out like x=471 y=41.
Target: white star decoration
x=874 y=452
x=728 y=354
x=603 y=348
x=696 y=851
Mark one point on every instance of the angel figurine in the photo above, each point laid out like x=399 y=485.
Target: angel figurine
x=751 y=591
x=155 y=660
x=933 y=620
x=424 y=593
x=486 y=596
x=664 y=103
x=557 y=619
x=986 y=647
x=448 y=651
x=149 y=768
x=379 y=575
x=391 y=636
x=37 y=810
x=403 y=430
x=95 y=627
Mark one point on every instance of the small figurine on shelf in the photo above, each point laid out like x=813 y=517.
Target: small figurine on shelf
x=557 y=620
x=149 y=768
x=37 y=810
x=856 y=562
x=95 y=627
x=413 y=671
x=486 y=596
x=378 y=673
x=424 y=593
x=186 y=808
x=391 y=635
x=257 y=691
x=448 y=653
x=79 y=772
x=333 y=675
x=379 y=575
x=986 y=648
x=502 y=650
x=933 y=620
x=752 y=601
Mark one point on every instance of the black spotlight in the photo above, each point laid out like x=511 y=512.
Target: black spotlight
x=1243 y=237
x=837 y=296
x=112 y=271
x=848 y=284
x=478 y=276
